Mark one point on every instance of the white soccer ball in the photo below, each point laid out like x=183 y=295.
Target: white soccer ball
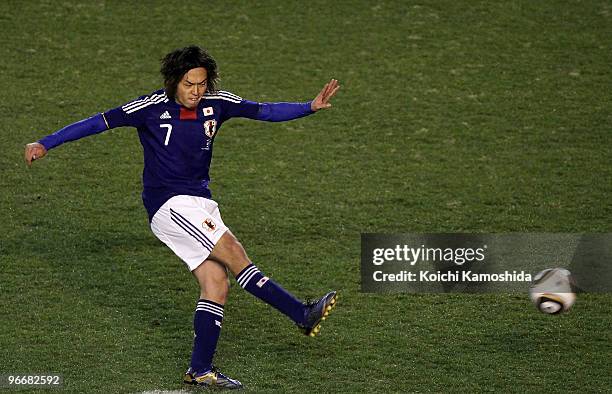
x=552 y=291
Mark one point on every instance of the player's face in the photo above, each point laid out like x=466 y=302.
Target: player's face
x=191 y=88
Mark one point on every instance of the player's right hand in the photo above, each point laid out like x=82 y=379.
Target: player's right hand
x=34 y=151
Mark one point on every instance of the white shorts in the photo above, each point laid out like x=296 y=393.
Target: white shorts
x=190 y=226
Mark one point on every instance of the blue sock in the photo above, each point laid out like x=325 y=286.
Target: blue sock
x=207 y=326
x=268 y=291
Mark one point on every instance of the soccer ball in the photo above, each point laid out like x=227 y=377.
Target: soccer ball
x=552 y=291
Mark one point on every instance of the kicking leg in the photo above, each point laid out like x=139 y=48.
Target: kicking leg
x=230 y=252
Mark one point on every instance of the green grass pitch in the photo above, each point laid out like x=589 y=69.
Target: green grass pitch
x=454 y=116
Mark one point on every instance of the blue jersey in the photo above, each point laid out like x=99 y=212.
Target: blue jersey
x=177 y=142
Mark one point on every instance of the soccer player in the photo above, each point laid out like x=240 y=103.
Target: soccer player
x=177 y=126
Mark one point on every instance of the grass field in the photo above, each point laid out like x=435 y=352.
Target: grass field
x=454 y=116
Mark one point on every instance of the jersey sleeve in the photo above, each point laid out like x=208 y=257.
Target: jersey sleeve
x=92 y=125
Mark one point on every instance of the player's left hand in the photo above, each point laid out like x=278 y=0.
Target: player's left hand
x=322 y=99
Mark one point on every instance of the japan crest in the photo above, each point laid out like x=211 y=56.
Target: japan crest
x=209 y=224
x=210 y=128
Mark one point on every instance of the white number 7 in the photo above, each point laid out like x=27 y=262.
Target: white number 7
x=169 y=127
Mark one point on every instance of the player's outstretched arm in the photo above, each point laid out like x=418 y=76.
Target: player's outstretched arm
x=34 y=151
x=282 y=111
x=322 y=99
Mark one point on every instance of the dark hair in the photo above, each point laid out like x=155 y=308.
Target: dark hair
x=175 y=64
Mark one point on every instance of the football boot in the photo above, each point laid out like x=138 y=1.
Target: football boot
x=316 y=312
x=211 y=378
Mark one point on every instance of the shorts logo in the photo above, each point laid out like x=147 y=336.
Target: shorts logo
x=207 y=111
x=210 y=128
x=209 y=225
x=262 y=281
